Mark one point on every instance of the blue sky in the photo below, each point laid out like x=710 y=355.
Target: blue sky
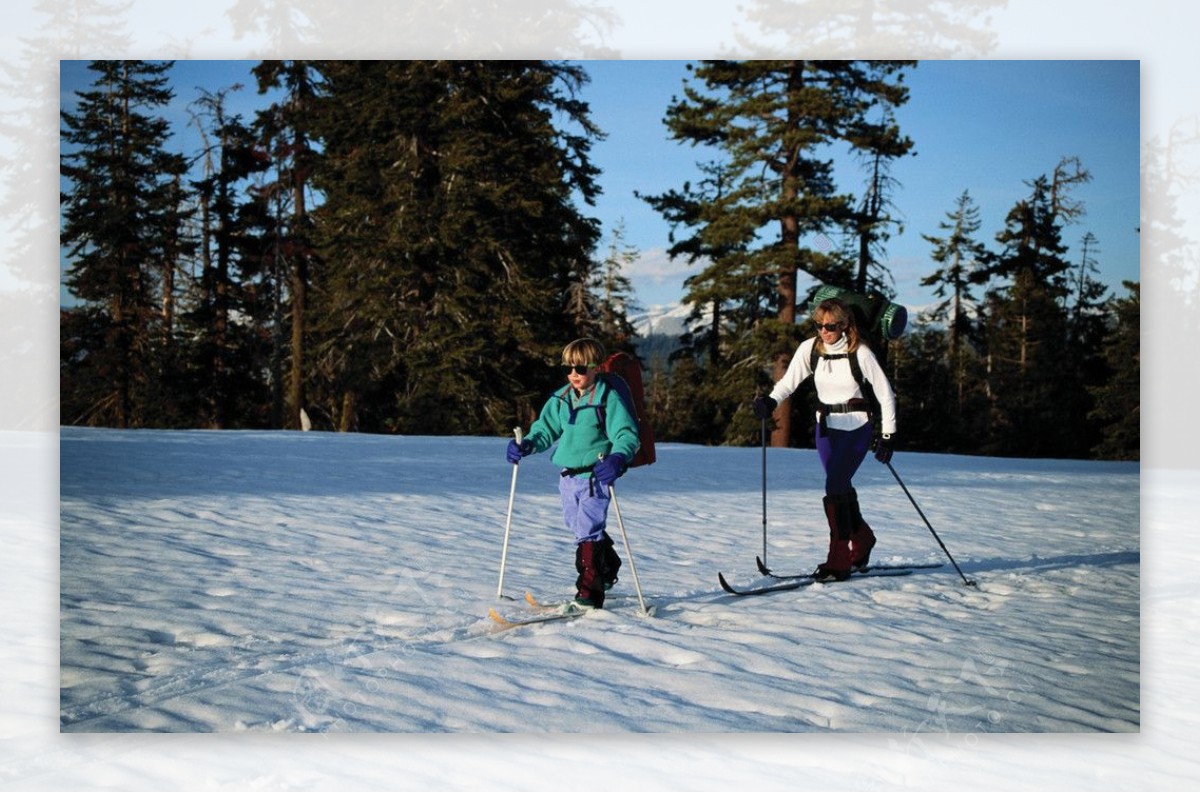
x=983 y=126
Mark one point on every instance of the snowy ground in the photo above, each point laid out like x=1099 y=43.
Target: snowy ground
x=247 y=581
x=265 y=583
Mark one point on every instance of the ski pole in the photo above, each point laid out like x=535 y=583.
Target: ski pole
x=612 y=494
x=967 y=581
x=764 y=491
x=512 y=493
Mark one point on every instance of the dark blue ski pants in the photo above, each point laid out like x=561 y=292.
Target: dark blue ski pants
x=842 y=452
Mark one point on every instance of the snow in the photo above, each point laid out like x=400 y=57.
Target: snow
x=254 y=583
x=663 y=320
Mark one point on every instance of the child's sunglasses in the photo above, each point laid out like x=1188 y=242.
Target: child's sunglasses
x=579 y=368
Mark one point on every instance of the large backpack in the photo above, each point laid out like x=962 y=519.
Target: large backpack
x=623 y=373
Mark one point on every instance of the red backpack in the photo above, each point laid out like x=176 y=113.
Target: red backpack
x=623 y=373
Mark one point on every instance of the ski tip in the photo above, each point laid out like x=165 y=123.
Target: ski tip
x=531 y=600
x=762 y=566
x=725 y=584
x=497 y=618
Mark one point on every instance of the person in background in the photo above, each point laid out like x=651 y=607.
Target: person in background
x=596 y=437
x=844 y=432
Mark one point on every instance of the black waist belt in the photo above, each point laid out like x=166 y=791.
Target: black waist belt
x=576 y=471
x=853 y=406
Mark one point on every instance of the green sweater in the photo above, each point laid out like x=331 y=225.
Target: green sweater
x=573 y=420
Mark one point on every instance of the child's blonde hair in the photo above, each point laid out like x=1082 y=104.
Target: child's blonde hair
x=583 y=351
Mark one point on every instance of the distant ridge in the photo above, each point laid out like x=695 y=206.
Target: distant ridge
x=670 y=319
x=662 y=320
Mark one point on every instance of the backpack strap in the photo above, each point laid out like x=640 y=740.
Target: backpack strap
x=616 y=385
x=868 y=391
x=855 y=367
x=601 y=410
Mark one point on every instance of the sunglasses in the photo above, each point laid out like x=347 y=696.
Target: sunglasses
x=579 y=368
x=831 y=327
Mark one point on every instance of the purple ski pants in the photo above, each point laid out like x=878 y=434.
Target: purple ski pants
x=585 y=507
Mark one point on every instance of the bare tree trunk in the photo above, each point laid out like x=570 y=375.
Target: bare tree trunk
x=789 y=242
x=787 y=316
x=299 y=298
x=348 y=421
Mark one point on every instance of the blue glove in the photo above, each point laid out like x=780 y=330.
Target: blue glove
x=517 y=451
x=883 y=447
x=764 y=407
x=609 y=469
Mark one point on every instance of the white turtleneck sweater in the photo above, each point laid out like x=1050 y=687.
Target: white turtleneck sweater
x=835 y=384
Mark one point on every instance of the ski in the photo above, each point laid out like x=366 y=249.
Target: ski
x=762 y=568
x=506 y=623
x=538 y=613
x=800 y=582
x=537 y=605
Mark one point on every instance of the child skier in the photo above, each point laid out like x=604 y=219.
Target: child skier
x=597 y=437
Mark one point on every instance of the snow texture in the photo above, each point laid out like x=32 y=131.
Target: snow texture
x=267 y=582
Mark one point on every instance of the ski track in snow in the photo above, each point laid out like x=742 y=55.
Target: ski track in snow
x=326 y=583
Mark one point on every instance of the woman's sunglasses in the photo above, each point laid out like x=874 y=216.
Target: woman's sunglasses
x=831 y=327
x=579 y=368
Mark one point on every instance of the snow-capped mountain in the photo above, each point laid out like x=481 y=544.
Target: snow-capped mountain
x=671 y=319
x=663 y=320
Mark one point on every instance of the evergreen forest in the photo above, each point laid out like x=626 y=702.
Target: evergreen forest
x=405 y=247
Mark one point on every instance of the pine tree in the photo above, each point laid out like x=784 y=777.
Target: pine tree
x=846 y=29
x=1118 y=399
x=449 y=236
x=1026 y=334
x=725 y=280
x=960 y=256
x=1087 y=315
x=879 y=144
x=1087 y=333
x=285 y=127
x=47 y=34
x=731 y=311
x=432 y=28
x=614 y=293
x=120 y=231
x=229 y=307
x=922 y=388
x=772 y=123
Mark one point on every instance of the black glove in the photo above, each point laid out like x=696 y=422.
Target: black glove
x=883 y=446
x=609 y=469
x=518 y=450
x=764 y=406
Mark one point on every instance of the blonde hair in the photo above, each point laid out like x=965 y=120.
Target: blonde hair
x=583 y=351
x=834 y=310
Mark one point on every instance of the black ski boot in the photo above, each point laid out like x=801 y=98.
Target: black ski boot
x=612 y=562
